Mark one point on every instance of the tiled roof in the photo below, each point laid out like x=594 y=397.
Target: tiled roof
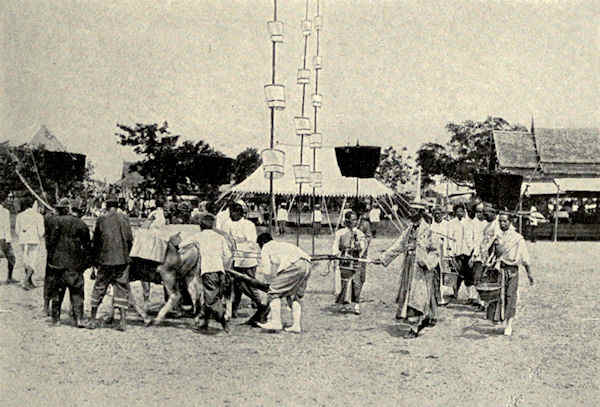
x=559 y=151
x=515 y=149
x=568 y=145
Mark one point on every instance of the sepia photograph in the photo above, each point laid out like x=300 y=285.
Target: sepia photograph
x=299 y=203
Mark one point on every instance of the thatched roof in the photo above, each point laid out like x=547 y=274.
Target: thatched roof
x=559 y=152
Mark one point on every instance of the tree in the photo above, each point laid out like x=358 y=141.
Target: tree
x=246 y=163
x=167 y=166
x=470 y=149
x=393 y=168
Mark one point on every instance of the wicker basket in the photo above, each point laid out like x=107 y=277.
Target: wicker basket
x=449 y=278
x=489 y=291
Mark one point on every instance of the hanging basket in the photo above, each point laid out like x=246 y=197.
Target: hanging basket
x=317 y=99
x=273 y=162
x=318 y=62
x=302 y=173
x=275 y=96
x=318 y=23
x=303 y=127
x=303 y=76
x=306 y=27
x=275 y=30
x=316 y=140
x=316 y=179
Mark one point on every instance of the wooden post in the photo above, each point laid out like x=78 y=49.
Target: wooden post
x=556 y=214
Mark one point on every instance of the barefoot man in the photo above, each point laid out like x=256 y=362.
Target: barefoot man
x=511 y=252
x=291 y=267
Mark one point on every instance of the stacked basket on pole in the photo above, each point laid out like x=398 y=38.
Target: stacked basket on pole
x=274 y=159
x=316 y=139
x=302 y=123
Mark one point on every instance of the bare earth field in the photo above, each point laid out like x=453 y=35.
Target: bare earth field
x=552 y=359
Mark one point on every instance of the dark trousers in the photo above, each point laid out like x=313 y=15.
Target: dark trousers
x=241 y=287
x=214 y=289
x=465 y=273
x=118 y=277
x=6 y=251
x=511 y=285
x=59 y=281
x=317 y=228
x=357 y=281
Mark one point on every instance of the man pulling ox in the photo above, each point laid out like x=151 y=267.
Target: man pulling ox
x=244 y=233
x=215 y=257
x=291 y=267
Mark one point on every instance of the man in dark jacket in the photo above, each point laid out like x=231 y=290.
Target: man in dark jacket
x=68 y=245
x=112 y=242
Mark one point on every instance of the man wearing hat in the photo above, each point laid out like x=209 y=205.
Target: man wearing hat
x=111 y=245
x=69 y=250
x=416 y=297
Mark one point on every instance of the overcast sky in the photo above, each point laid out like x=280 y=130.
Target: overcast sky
x=395 y=72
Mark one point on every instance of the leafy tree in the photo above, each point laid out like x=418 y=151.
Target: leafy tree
x=167 y=166
x=246 y=163
x=470 y=149
x=394 y=168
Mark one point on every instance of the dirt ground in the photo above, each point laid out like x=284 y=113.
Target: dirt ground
x=552 y=359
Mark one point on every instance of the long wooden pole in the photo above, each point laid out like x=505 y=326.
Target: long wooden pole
x=556 y=214
x=272 y=138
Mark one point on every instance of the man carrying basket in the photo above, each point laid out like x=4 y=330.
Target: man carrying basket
x=510 y=252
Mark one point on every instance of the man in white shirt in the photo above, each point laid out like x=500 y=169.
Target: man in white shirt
x=317 y=219
x=374 y=218
x=6 y=249
x=291 y=269
x=282 y=218
x=30 y=231
x=214 y=255
x=479 y=224
x=245 y=260
x=461 y=231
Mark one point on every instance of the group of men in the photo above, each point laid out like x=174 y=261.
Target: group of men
x=441 y=251
x=486 y=248
x=436 y=247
